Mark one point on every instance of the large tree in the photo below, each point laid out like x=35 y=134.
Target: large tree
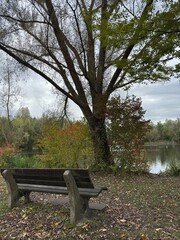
x=87 y=49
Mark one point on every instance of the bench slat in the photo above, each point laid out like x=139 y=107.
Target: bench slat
x=53 y=183
x=60 y=190
x=52 y=177
x=50 y=171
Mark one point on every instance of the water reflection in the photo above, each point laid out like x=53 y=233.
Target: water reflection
x=160 y=157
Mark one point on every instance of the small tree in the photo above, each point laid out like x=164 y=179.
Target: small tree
x=127 y=131
x=69 y=146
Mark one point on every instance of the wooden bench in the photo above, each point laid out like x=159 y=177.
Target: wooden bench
x=73 y=182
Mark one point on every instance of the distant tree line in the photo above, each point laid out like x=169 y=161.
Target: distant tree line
x=167 y=131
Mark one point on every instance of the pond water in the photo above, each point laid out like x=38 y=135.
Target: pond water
x=161 y=157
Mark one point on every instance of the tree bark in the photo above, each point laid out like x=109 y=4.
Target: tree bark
x=102 y=154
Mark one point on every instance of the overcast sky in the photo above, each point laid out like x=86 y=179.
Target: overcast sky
x=161 y=100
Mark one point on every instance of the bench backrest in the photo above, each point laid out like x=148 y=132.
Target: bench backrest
x=51 y=176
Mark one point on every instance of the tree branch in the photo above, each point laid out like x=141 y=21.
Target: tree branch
x=129 y=48
x=22 y=21
x=102 y=51
x=42 y=74
x=80 y=36
x=62 y=44
x=87 y=16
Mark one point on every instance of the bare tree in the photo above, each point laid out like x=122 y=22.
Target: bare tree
x=87 y=49
x=9 y=92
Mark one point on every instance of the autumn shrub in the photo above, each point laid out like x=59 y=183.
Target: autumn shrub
x=127 y=130
x=69 y=146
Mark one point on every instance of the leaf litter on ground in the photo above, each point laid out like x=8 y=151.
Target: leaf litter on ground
x=138 y=207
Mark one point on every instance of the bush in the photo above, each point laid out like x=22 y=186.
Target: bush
x=127 y=129
x=174 y=169
x=5 y=151
x=18 y=161
x=69 y=146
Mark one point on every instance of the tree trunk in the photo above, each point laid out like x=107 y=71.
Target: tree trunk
x=102 y=154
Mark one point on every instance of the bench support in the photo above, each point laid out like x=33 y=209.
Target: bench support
x=78 y=204
x=13 y=193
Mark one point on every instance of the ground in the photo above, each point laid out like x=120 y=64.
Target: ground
x=138 y=207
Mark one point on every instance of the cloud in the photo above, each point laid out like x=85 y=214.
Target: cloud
x=38 y=96
x=160 y=100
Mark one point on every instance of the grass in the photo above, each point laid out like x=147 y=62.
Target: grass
x=174 y=169
x=137 y=207
x=20 y=161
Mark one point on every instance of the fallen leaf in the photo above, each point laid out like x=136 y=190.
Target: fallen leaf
x=122 y=220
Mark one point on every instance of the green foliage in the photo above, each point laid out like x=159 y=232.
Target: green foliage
x=19 y=161
x=155 y=34
x=127 y=130
x=167 y=131
x=174 y=169
x=24 y=125
x=22 y=131
x=10 y=159
x=5 y=151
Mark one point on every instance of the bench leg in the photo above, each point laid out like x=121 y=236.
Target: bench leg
x=76 y=202
x=13 y=193
x=27 y=197
x=85 y=206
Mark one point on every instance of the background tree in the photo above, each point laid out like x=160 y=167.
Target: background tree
x=107 y=45
x=127 y=130
x=9 y=92
x=5 y=134
x=168 y=131
x=24 y=126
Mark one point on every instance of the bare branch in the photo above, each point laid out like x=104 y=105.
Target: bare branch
x=23 y=21
x=80 y=36
x=62 y=44
x=42 y=74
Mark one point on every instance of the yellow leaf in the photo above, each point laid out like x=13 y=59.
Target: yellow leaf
x=123 y=220
x=103 y=230
x=122 y=235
